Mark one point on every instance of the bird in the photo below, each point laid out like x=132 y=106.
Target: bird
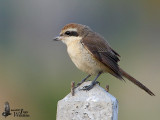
x=92 y=54
x=6 y=109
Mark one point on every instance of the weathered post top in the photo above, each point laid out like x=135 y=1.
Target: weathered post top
x=95 y=104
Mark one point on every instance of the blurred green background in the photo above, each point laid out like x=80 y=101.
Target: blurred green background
x=36 y=72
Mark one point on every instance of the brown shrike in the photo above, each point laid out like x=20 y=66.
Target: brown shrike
x=92 y=54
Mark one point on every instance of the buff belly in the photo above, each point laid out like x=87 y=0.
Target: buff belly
x=83 y=59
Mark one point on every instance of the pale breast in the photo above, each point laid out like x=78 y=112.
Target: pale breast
x=83 y=59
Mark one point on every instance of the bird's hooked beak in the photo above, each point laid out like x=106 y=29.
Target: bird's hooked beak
x=56 y=38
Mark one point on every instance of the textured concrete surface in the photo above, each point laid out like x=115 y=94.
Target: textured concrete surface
x=96 y=104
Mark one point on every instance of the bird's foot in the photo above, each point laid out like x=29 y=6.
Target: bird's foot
x=78 y=84
x=89 y=87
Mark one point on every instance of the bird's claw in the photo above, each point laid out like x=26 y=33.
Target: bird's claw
x=89 y=87
x=78 y=84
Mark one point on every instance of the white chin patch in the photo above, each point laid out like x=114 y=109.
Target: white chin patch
x=71 y=39
x=64 y=41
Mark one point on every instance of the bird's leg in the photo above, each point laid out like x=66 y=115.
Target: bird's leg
x=94 y=82
x=83 y=80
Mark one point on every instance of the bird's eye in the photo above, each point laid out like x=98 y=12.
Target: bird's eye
x=67 y=32
x=71 y=33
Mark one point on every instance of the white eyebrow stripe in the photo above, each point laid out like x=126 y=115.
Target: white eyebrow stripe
x=72 y=29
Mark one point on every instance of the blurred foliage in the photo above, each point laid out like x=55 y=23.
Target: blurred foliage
x=36 y=72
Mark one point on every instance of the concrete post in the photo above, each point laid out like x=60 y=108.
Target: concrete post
x=95 y=104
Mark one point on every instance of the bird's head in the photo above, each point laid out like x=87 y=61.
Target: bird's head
x=72 y=32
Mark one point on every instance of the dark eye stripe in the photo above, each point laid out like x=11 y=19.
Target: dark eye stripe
x=71 y=33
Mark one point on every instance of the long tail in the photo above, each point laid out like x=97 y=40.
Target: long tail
x=136 y=82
